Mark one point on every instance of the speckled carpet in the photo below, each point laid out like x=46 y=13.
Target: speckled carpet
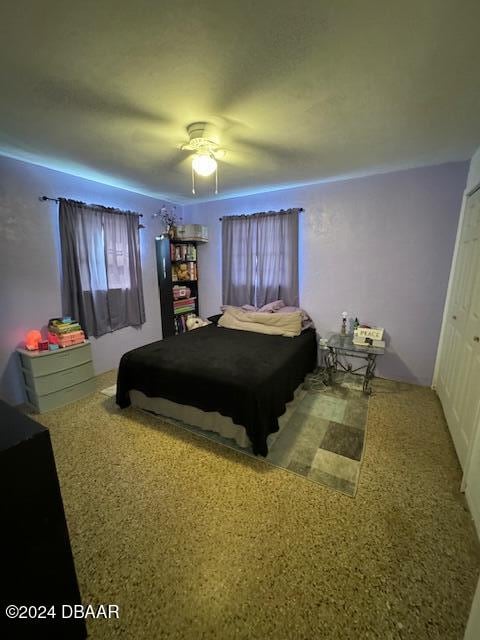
x=194 y=541
x=324 y=437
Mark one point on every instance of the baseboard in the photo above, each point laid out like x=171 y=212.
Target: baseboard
x=474 y=511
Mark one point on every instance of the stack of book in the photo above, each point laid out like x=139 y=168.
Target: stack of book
x=186 y=305
x=68 y=332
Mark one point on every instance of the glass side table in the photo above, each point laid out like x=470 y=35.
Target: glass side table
x=339 y=345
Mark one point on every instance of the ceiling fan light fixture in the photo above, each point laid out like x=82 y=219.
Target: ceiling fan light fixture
x=204 y=143
x=204 y=164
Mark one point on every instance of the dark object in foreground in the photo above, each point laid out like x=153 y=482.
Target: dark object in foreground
x=37 y=563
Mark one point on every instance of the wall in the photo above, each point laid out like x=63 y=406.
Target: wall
x=29 y=263
x=379 y=247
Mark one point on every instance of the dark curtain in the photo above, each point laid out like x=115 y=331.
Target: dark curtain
x=239 y=242
x=101 y=270
x=260 y=258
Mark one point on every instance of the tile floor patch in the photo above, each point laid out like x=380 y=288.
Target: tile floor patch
x=344 y=440
x=340 y=484
x=356 y=414
x=324 y=406
x=335 y=465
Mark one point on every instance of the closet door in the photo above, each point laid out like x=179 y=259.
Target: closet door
x=459 y=381
x=472 y=478
x=471 y=419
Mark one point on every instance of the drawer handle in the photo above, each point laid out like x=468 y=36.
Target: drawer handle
x=476 y=338
x=454 y=317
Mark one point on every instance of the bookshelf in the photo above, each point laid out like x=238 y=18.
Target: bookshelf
x=177 y=271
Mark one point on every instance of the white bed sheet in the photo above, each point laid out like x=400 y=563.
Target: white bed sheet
x=210 y=420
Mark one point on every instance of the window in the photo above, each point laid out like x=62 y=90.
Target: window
x=260 y=258
x=101 y=270
x=117 y=266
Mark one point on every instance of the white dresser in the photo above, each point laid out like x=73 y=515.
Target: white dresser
x=56 y=378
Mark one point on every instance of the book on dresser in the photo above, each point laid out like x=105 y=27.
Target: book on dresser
x=178 y=273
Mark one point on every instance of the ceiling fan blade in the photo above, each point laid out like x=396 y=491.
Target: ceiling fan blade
x=84 y=99
x=228 y=127
x=176 y=161
x=235 y=158
x=270 y=150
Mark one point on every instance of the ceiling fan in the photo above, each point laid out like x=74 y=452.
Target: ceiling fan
x=243 y=149
x=204 y=142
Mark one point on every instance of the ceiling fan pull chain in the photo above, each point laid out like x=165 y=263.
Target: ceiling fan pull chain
x=193 y=181
x=216 y=180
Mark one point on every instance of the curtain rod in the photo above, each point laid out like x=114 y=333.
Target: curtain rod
x=43 y=198
x=299 y=209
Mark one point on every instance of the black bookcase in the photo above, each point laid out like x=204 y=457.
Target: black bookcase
x=177 y=267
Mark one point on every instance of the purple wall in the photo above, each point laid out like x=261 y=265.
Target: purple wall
x=29 y=263
x=379 y=247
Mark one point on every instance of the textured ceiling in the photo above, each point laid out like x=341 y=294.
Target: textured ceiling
x=300 y=91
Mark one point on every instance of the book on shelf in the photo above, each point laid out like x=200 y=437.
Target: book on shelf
x=183 y=252
x=182 y=302
x=184 y=306
x=180 y=312
x=181 y=323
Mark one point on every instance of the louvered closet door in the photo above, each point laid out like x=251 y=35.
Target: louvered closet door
x=459 y=374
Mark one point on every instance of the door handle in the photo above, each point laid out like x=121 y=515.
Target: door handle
x=476 y=338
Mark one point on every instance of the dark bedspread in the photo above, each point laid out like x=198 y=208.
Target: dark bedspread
x=247 y=376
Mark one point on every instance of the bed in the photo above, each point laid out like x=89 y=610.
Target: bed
x=247 y=377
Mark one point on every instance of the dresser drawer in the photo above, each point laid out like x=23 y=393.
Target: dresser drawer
x=60 y=398
x=60 y=380
x=54 y=361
